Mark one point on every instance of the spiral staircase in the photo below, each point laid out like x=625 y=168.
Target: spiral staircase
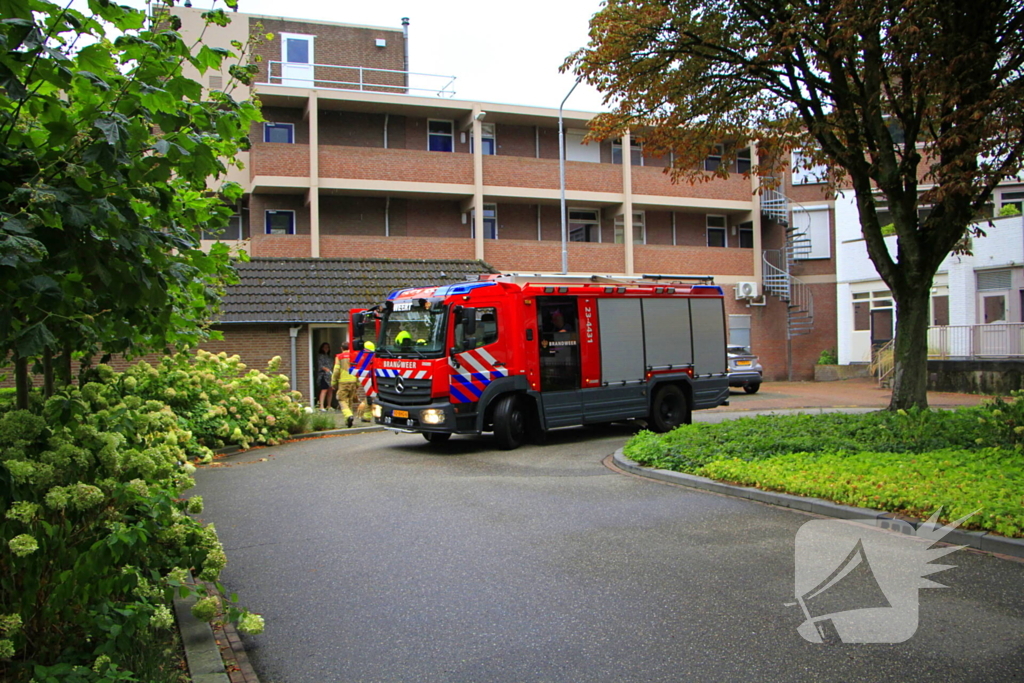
x=777 y=277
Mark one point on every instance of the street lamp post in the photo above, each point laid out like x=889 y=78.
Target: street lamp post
x=561 y=182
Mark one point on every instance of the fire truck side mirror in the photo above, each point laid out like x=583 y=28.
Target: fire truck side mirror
x=358 y=325
x=469 y=322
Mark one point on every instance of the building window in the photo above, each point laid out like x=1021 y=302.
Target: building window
x=584 y=226
x=280 y=222
x=440 y=136
x=812 y=223
x=995 y=308
x=804 y=173
x=716 y=231
x=231 y=232
x=279 y=132
x=487 y=141
x=746 y=235
x=714 y=158
x=940 y=310
x=743 y=160
x=739 y=331
x=636 y=152
x=486 y=330
x=490 y=222
x=639 y=232
x=1015 y=199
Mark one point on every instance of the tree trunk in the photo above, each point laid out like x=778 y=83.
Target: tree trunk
x=64 y=368
x=21 y=383
x=47 y=372
x=910 y=351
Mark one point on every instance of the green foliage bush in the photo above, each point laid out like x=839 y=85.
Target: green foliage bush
x=910 y=461
x=828 y=357
x=217 y=398
x=96 y=539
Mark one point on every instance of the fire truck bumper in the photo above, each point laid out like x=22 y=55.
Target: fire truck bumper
x=438 y=417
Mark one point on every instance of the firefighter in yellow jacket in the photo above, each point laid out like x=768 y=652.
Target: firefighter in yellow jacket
x=345 y=384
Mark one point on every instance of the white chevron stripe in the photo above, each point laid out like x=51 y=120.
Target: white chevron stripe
x=475 y=363
x=486 y=356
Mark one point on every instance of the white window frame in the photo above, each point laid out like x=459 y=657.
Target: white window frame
x=232 y=233
x=484 y=137
x=636 y=146
x=490 y=216
x=450 y=135
x=639 y=221
x=270 y=125
x=724 y=228
x=820 y=235
x=597 y=220
x=801 y=175
x=266 y=221
x=716 y=154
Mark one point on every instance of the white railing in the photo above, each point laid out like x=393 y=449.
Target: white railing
x=358 y=78
x=992 y=340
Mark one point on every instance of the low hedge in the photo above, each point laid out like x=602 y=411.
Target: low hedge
x=912 y=462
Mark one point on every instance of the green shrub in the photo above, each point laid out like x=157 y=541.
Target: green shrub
x=909 y=461
x=1009 y=210
x=96 y=538
x=321 y=422
x=828 y=357
x=217 y=398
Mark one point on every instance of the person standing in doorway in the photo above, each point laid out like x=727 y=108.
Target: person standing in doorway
x=324 y=368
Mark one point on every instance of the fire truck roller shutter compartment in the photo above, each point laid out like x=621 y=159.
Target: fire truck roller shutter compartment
x=667 y=333
x=709 y=357
x=622 y=347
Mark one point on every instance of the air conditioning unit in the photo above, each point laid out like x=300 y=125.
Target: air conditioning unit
x=746 y=290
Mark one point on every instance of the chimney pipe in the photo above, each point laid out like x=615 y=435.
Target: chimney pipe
x=405 y=44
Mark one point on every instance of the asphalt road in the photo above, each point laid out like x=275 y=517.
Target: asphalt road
x=378 y=557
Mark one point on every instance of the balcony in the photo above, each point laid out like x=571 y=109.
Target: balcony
x=279 y=159
x=375 y=164
x=364 y=79
x=969 y=342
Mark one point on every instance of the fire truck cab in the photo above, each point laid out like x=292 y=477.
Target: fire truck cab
x=519 y=355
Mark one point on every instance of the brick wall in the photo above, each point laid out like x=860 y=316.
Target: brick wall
x=658 y=227
x=429 y=218
x=691 y=229
x=517 y=221
x=290 y=115
x=344 y=215
x=279 y=159
x=395 y=164
x=283 y=246
x=516 y=141
x=356 y=129
x=655 y=181
x=343 y=45
x=260 y=203
x=677 y=260
x=360 y=246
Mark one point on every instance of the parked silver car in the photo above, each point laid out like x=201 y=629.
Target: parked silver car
x=744 y=369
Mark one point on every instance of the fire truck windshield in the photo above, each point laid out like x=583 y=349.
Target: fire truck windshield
x=413 y=328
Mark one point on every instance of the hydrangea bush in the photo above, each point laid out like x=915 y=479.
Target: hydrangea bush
x=96 y=537
x=218 y=400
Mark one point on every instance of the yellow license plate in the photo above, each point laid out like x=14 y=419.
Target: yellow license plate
x=743 y=362
x=400 y=413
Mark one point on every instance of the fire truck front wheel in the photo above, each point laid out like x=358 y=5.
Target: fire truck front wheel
x=510 y=421
x=669 y=409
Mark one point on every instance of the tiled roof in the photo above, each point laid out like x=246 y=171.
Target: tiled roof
x=308 y=290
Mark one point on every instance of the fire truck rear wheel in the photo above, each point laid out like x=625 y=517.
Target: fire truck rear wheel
x=436 y=437
x=669 y=409
x=509 y=423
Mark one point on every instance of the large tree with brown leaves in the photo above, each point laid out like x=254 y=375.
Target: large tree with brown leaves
x=911 y=103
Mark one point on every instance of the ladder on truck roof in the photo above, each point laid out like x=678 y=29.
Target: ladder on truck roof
x=538 y=278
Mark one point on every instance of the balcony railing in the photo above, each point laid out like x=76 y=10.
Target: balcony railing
x=965 y=342
x=359 y=78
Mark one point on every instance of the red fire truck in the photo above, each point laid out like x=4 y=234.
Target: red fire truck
x=519 y=355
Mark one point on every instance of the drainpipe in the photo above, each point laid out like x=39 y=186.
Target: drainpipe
x=294 y=332
x=405 y=43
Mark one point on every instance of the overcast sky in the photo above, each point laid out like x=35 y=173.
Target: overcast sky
x=506 y=52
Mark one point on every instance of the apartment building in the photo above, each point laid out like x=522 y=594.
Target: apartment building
x=363 y=157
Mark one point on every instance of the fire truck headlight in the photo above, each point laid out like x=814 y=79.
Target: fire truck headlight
x=432 y=416
x=377 y=411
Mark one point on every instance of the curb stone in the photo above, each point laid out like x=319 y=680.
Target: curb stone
x=231 y=450
x=205 y=664
x=980 y=540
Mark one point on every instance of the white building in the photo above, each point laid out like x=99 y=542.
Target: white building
x=977 y=302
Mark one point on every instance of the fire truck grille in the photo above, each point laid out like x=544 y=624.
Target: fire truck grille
x=408 y=392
